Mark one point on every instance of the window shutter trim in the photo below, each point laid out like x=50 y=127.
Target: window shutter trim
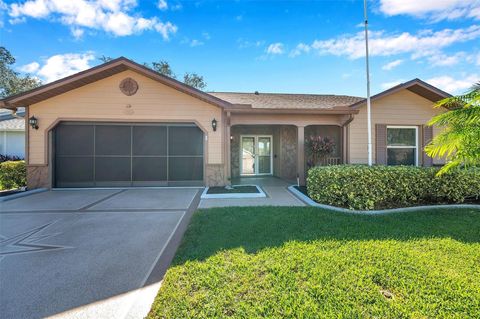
x=381 y=144
x=427 y=138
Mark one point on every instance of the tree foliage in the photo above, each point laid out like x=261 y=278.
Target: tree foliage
x=11 y=81
x=459 y=142
x=195 y=80
x=105 y=58
x=164 y=68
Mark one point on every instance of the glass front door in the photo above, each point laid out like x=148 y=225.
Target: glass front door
x=256 y=155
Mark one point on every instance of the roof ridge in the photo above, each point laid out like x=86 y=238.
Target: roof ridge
x=271 y=93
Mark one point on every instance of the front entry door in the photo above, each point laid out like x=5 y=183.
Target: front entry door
x=256 y=155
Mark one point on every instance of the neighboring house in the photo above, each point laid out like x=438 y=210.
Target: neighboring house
x=12 y=134
x=122 y=124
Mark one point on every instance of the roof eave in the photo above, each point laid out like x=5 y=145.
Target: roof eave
x=333 y=111
x=402 y=86
x=100 y=72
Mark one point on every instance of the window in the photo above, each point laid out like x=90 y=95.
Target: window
x=402 y=145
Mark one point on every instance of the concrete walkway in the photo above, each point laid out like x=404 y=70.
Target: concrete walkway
x=275 y=188
x=89 y=253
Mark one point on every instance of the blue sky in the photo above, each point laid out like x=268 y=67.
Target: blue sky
x=266 y=46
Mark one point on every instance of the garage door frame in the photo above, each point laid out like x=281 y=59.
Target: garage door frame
x=132 y=124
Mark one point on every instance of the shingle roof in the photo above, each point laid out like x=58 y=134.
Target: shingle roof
x=12 y=124
x=288 y=101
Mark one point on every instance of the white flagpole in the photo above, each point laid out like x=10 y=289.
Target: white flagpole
x=369 y=116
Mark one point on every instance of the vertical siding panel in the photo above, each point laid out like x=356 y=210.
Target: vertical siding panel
x=427 y=137
x=381 y=144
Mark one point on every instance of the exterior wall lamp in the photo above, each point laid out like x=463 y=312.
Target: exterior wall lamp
x=214 y=125
x=33 y=122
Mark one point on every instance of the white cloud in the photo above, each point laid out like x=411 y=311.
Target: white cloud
x=196 y=43
x=388 y=85
x=242 y=43
x=452 y=85
x=30 y=68
x=299 y=49
x=449 y=60
x=112 y=16
x=59 y=66
x=176 y=7
x=477 y=59
x=3 y=7
x=192 y=42
x=162 y=5
x=434 y=10
x=422 y=44
x=392 y=65
x=275 y=48
x=77 y=32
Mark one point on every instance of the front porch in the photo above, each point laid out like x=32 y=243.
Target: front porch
x=258 y=151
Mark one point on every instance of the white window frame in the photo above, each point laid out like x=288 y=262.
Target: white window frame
x=416 y=140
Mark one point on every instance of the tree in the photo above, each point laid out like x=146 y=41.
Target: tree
x=162 y=67
x=459 y=142
x=12 y=82
x=195 y=80
x=105 y=58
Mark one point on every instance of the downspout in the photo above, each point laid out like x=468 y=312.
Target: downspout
x=348 y=121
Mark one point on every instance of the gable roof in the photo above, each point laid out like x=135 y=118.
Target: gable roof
x=417 y=86
x=98 y=73
x=289 y=101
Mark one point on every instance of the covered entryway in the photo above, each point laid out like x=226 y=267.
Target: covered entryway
x=99 y=154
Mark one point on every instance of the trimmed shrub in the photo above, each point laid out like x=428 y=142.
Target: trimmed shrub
x=379 y=187
x=6 y=158
x=13 y=174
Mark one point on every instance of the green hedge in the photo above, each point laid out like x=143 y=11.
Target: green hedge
x=13 y=174
x=378 y=187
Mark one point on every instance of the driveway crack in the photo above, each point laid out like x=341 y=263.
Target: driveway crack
x=101 y=200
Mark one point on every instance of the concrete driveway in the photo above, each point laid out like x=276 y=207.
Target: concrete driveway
x=89 y=253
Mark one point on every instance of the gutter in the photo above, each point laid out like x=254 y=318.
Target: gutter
x=348 y=121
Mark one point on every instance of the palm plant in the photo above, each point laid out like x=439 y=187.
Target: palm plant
x=459 y=142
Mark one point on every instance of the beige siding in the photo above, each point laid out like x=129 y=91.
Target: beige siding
x=401 y=108
x=103 y=100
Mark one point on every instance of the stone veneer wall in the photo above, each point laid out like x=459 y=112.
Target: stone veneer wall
x=284 y=147
x=288 y=154
x=215 y=175
x=38 y=177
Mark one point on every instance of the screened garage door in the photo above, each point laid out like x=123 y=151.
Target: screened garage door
x=132 y=154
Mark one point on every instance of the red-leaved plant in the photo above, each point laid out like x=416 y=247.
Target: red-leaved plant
x=318 y=149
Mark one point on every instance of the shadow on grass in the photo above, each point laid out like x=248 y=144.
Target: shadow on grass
x=256 y=228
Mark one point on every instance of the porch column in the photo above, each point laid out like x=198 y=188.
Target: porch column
x=301 y=154
x=228 y=155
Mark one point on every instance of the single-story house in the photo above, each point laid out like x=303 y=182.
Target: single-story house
x=12 y=134
x=122 y=124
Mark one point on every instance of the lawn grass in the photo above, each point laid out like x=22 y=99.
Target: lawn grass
x=266 y=262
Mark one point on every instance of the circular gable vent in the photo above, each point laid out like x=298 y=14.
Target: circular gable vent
x=128 y=86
